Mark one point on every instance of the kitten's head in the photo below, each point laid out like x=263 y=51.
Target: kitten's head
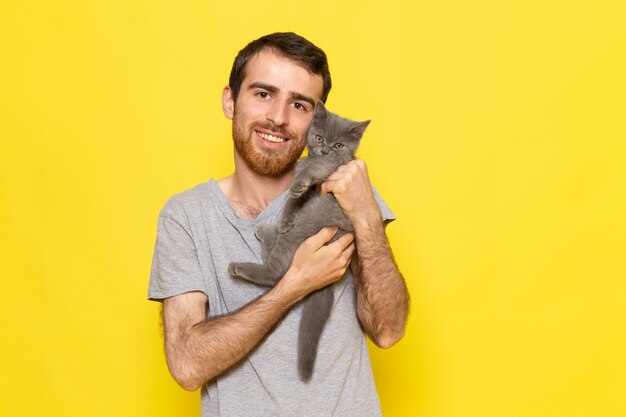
x=330 y=133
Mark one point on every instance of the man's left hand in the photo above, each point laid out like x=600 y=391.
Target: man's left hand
x=350 y=184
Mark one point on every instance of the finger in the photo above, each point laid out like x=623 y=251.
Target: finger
x=322 y=237
x=350 y=168
x=349 y=251
x=359 y=164
x=328 y=184
x=355 y=164
x=336 y=187
x=344 y=241
x=346 y=257
x=332 y=185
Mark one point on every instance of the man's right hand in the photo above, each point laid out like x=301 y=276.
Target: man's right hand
x=317 y=264
x=198 y=349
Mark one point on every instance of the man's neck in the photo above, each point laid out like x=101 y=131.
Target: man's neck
x=249 y=193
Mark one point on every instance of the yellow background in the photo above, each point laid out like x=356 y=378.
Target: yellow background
x=497 y=138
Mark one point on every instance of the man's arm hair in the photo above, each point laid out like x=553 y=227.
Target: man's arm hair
x=199 y=349
x=382 y=296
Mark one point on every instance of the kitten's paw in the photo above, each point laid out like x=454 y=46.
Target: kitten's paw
x=298 y=189
x=232 y=270
x=284 y=227
x=240 y=270
x=261 y=231
x=254 y=273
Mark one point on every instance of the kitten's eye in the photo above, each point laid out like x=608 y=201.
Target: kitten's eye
x=338 y=145
x=318 y=138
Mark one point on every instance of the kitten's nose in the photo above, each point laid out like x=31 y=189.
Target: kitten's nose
x=325 y=150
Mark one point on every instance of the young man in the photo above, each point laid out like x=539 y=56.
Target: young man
x=236 y=340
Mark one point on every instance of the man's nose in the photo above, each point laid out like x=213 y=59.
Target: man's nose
x=277 y=113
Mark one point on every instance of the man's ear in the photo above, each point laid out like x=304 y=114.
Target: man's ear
x=228 y=103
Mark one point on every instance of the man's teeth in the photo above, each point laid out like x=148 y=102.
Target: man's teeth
x=271 y=138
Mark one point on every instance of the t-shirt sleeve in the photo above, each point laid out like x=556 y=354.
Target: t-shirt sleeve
x=386 y=212
x=175 y=265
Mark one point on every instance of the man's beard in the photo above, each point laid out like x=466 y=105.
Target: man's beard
x=263 y=161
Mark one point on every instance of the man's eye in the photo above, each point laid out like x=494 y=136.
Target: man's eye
x=299 y=106
x=263 y=94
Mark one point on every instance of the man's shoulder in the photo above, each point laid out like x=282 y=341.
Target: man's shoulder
x=186 y=200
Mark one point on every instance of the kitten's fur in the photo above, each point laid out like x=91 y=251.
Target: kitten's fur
x=331 y=142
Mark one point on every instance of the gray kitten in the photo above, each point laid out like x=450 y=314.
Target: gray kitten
x=331 y=142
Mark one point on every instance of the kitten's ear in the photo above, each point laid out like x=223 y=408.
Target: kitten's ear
x=320 y=111
x=360 y=127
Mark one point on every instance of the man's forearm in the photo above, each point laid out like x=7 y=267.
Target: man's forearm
x=198 y=352
x=198 y=349
x=382 y=296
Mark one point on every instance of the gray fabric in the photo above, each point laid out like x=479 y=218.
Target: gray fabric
x=199 y=234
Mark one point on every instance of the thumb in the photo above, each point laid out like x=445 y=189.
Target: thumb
x=325 y=187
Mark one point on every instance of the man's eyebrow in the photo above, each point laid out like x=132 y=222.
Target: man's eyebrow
x=302 y=97
x=274 y=89
x=268 y=87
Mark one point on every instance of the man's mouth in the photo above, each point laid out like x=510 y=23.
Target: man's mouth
x=271 y=138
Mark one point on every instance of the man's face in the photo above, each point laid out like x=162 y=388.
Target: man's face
x=272 y=113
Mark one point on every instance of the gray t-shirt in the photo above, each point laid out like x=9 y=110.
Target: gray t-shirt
x=199 y=234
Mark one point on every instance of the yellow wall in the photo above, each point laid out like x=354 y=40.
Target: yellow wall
x=497 y=137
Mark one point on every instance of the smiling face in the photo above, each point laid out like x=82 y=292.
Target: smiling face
x=272 y=113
